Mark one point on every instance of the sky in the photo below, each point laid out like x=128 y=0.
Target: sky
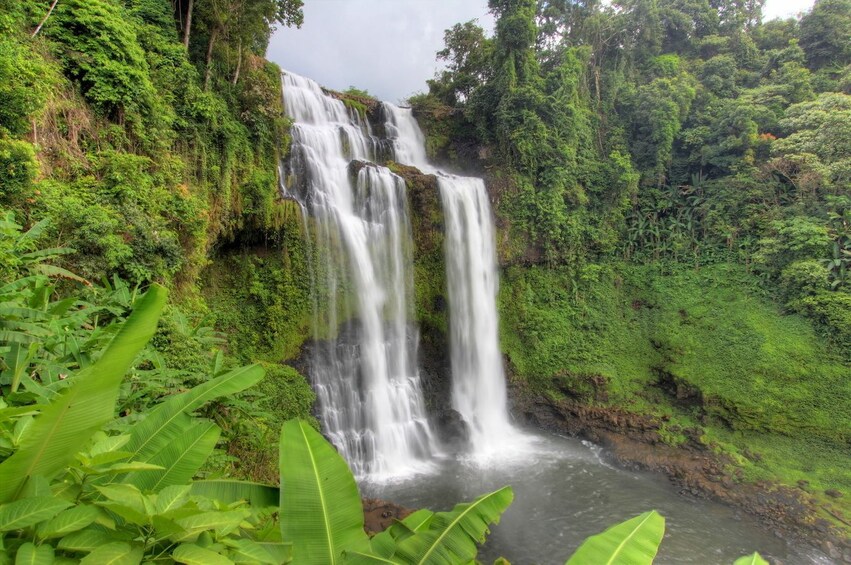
x=388 y=47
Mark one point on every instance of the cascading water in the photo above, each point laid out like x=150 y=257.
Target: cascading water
x=478 y=380
x=368 y=387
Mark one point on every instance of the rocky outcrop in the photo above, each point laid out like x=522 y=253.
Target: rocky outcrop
x=380 y=514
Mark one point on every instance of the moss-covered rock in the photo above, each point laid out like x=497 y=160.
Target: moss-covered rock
x=430 y=301
x=258 y=290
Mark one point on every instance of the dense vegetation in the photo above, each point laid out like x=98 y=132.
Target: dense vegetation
x=672 y=180
x=149 y=146
x=672 y=184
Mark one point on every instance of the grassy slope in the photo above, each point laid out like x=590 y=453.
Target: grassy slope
x=762 y=386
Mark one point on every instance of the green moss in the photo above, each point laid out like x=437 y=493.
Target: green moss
x=283 y=394
x=702 y=351
x=260 y=297
x=553 y=329
x=426 y=214
x=756 y=368
x=356 y=105
x=358 y=100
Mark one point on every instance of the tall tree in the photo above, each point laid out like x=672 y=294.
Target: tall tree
x=467 y=53
x=826 y=34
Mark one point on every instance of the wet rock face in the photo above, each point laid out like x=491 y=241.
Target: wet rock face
x=435 y=370
x=452 y=430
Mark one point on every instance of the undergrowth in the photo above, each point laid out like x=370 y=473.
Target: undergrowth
x=701 y=350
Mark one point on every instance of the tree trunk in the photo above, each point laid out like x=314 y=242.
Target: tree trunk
x=50 y=11
x=187 y=29
x=238 y=63
x=209 y=70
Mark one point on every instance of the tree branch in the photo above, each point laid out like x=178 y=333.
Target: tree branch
x=50 y=11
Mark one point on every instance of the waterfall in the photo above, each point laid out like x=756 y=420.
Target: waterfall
x=363 y=366
x=478 y=380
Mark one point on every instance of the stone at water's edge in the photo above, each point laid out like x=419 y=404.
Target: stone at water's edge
x=453 y=430
x=380 y=514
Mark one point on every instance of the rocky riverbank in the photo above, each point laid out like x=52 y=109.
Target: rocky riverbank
x=632 y=441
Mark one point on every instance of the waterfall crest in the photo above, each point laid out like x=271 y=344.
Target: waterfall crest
x=478 y=379
x=367 y=382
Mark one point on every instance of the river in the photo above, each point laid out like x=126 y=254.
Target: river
x=565 y=490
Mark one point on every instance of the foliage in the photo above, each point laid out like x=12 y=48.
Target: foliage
x=81 y=483
x=323 y=508
x=102 y=52
x=25 y=84
x=633 y=541
x=79 y=491
x=647 y=340
x=262 y=302
x=824 y=33
x=683 y=135
x=68 y=421
x=467 y=54
x=107 y=132
x=688 y=131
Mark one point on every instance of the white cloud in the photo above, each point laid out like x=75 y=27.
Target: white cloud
x=785 y=8
x=385 y=46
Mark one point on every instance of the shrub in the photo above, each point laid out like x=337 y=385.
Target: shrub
x=99 y=48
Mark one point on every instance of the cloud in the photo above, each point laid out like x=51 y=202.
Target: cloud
x=384 y=46
x=785 y=8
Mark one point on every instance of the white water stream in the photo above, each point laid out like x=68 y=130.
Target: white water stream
x=368 y=388
x=478 y=380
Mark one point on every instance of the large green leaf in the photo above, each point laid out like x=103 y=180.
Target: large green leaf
x=191 y=554
x=249 y=551
x=321 y=509
x=29 y=511
x=128 y=502
x=115 y=553
x=222 y=522
x=88 y=539
x=753 y=559
x=452 y=537
x=171 y=498
x=384 y=543
x=67 y=521
x=18 y=360
x=180 y=459
x=167 y=422
x=634 y=542
x=280 y=552
x=228 y=491
x=66 y=424
x=358 y=558
x=30 y=554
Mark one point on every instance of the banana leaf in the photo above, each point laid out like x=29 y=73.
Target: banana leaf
x=321 y=510
x=452 y=537
x=634 y=542
x=229 y=491
x=752 y=559
x=168 y=420
x=66 y=424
